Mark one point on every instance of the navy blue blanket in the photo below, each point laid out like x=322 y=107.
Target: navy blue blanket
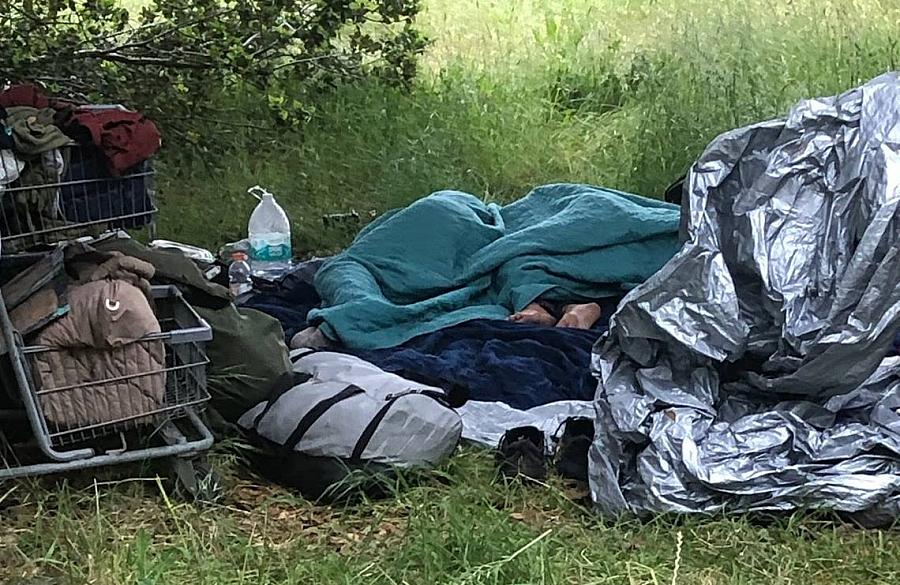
x=521 y=365
x=492 y=360
x=289 y=300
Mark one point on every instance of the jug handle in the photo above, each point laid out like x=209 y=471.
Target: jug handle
x=257 y=192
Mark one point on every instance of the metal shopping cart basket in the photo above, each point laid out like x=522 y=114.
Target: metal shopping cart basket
x=85 y=200
x=34 y=438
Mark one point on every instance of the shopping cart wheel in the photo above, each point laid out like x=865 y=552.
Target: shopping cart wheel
x=196 y=480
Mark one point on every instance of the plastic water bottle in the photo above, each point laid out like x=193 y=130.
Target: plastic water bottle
x=270 y=236
x=239 y=280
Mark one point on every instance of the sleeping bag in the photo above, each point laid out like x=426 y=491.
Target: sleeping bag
x=450 y=258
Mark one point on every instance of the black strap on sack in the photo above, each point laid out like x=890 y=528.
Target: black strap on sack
x=455 y=394
x=316 y=412
x=370 y=429
x=299 y=356
x=282 y=384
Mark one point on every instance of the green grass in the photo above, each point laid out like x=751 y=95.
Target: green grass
x=512 y=94
x=457 y=528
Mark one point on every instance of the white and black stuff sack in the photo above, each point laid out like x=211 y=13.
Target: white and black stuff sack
x=339 y=416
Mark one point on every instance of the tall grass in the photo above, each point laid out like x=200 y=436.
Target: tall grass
x=514 y=94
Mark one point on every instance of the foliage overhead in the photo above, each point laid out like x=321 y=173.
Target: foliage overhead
x=172 y=58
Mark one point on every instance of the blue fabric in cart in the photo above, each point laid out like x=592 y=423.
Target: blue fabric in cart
x=102 y=196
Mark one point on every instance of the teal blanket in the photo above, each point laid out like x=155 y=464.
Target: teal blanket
x=450 y=258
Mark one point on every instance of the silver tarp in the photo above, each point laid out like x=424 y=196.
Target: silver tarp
x=747 y=374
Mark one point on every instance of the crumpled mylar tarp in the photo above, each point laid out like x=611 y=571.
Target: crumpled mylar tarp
x=747 y=374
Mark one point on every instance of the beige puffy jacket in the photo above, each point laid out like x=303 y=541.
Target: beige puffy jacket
x=96 y=370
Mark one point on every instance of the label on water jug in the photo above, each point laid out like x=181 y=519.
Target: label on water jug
x=270 y=248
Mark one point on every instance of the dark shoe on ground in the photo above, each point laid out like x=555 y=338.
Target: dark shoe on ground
x=572 y=451
x=522 y=454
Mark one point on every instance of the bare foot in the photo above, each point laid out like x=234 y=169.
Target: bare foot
x=311 y=338
x=534 y=314
x=580 y=316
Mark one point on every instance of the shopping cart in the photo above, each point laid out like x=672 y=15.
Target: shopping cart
x=86 y=200
x=34 y=440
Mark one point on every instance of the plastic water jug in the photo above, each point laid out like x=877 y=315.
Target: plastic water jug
x=270 y=236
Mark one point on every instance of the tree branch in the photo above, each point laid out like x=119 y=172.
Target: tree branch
x=140 y=60
x=305 y=60
x=259 y=52
x=156 y=37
